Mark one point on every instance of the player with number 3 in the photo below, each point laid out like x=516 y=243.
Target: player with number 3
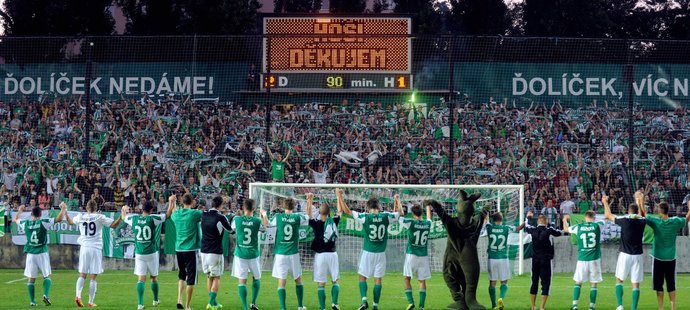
x=246 y=260
x=372 y=263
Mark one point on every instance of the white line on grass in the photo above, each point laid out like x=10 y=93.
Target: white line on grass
x=14 y=281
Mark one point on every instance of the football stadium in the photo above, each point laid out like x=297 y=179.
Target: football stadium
x=345 y=154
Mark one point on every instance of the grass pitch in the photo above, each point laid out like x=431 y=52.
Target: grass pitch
x=116 y=290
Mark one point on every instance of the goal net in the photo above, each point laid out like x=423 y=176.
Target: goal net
x=507 y=199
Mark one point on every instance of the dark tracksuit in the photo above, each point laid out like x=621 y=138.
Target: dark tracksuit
x=542 y=254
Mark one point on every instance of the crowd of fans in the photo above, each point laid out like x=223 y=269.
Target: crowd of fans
x=140 y=148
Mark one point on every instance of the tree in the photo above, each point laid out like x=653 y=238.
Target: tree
x=479 y=17
x=207 y=17
x=57 y=18
x=296 y=6
x=426 y=18
x=380 y=6
x=568 y=18
x=348 y=6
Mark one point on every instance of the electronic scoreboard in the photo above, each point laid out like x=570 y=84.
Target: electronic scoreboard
x=337 y=54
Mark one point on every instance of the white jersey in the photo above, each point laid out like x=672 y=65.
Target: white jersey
x=91 y=229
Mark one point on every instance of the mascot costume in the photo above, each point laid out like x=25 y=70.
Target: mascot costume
x=461 y=262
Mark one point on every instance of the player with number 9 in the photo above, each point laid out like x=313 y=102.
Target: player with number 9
x=416 y=252
x=498 y=264
x=90 y=226
x=147 y=235
x=588 y=235
x=247 y=228
x=36 y=249
x=287 y=259
x=372 y=263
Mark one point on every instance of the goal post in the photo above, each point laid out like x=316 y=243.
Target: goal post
x=508 y=199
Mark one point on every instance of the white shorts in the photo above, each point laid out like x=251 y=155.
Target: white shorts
x=146 y=263
x=326 y=264
x=36 y=262
x=90 y=260
x=242 y=267
x=284 y=264
x=372 y=265
x=417 y=266
x=589 y=271
x=630 y=265
x=212 y=264
x=499 y=269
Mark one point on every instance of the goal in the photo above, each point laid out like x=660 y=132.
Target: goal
x=507 y=199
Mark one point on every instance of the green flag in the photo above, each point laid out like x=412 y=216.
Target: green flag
x=2 y=221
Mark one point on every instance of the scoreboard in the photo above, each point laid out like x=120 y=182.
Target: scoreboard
x=338 y=54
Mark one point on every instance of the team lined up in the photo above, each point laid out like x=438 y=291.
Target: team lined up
x=203 y=231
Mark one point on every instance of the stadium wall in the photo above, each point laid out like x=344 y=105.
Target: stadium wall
x=67 y=257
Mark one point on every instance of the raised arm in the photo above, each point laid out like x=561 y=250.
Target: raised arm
x=289 y=151
x=123 y=214
x=397 y=205
x=172 y=203
x=63 y=211
x=607 y=209
x=429 y=216
x=639 y=200
x=268 y=150
x=264 y=217
x=341 y=202
x=68 y=218
x=529 y=216
x=566 y=227
x=19 y=213
x=310 y=197
x=438 y=208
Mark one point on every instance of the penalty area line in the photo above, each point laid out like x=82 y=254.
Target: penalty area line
x=15 y=281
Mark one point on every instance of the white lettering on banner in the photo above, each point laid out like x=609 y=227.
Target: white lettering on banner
x=573 y=84
x=63 y=84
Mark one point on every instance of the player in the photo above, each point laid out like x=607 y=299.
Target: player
x=326 y=262
x=372 y=263
x=542 y=254
x=286 y=251
x=664 y=252
x=91 y=251
x=213 y=225
x=588 y=235
x=499 y=264
x=630 y=260
x=246 y=253
x=187 y=243
x=147 y=240
x=36 y=249
x=416 y=252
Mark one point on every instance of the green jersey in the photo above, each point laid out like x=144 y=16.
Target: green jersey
x=665 y=232
x=247 y=233
x=278 y=170
x=498 y=240
x=588 y=240
x=147 y=232
x=188 y=232
x=417 y=236
x=375 y=227
x=287 y=232
x=36 y=232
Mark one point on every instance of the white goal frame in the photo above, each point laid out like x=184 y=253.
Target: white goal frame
x=520 y=188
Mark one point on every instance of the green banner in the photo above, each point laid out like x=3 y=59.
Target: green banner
x=662 y=86
x=2 y=221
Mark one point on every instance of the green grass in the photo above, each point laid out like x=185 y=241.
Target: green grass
x=116 y=290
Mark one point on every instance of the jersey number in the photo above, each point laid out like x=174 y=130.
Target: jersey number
x=421 y=238
x=34 y=237
x=89 y=228
x=497 y=242
x=143 y=233
x=287 y=233
x=589 y=240
x=378 y=232
x=247 y=236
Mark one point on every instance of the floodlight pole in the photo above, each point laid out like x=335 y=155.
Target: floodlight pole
x=87 y=123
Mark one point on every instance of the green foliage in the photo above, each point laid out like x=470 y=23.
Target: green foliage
x=57 y=18
x=348 y=6
x=296 y=6
x=479 y=17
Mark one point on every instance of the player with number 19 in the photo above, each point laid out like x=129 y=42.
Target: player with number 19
x=90 y=226
x=372 y=263
x=588 y=235
x=287 y=259
x=416 y=252
x=246 y=260
x=147 y=236
x=36 y=249
x=498 y=264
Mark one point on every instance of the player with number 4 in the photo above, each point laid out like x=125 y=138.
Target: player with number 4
x=372 y=263
x=90 y=226
x=588 y=256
